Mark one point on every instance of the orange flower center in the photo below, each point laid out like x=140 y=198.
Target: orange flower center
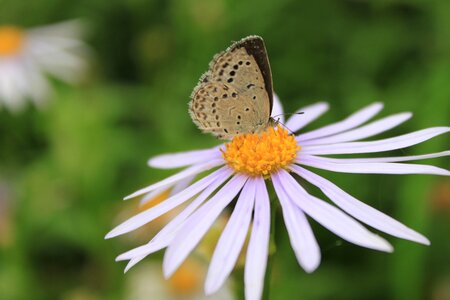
x=261 y=155
x=11 y=40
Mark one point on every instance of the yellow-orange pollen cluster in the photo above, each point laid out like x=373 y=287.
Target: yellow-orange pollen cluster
x=11 y=40
x=261 y=155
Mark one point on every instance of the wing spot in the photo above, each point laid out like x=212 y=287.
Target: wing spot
x=247 y=63
x=235 y=67
x=224 y=96
x=216 y=99
x=225 y=130
x=240 y=62
x=218 y=124
x=234 y=95
x=250 y=85
x=225 y=65
x=213 y=105
x=238 y=123
x=247 y=109
x=254 y=97
x=230 y=80
x=217 y=117
x=214 y=111
x=239 y=117
x=232 y=73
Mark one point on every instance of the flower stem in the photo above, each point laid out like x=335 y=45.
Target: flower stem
x=272 y=247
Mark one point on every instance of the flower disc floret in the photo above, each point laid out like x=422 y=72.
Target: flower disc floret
x=11 y=40
x=261 y=154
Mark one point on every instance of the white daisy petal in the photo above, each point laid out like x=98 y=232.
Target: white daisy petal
x=394 y=143
x=374 y=159
x=187 y=158
x=231 y=240
x=170 y=203
x=329 y=216
x=300 y=233
x=258 y=246
x=277 y=109
x=363 y=132
x=352 y=121
x=198 y=224
x=165 y=236
x=193 y=170
x=310 y=113
x=372 y=168
x=360 y=210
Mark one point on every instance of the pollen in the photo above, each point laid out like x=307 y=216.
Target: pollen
x=261 y=154
x=11 y=40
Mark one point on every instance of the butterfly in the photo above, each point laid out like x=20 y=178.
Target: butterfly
x=235 y=95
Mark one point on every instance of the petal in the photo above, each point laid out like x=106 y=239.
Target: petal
x=328 y=216
x=350 y=122
x=310 y=113
x=376 y=159
x=182 y=159
x=360 y=210
x=191 y=171
x=372 y=168
x=394 y=143
x=151 y=248
x=166 y=235
x=170 y=203
x=231 y=240
x=258 y=246
x=175 y=189
x=300 y=233
x=277 y=109
x=198 y=224
x=363 y=132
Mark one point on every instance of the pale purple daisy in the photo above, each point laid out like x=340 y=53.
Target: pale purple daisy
x=242 y=167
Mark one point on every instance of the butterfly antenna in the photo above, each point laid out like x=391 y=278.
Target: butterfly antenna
x=289 y=114
x=277 y=121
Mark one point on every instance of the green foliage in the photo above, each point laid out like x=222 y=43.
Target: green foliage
x=64 y=170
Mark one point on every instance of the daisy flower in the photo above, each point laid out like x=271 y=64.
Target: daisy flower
x=243 y=167
x=27 y=55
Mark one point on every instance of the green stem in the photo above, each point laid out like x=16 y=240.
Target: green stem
x=272 y=248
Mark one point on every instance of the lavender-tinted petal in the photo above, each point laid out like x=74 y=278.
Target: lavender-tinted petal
x=360 y=210
x=373 y=168
x=258 y=246
x=182 y=159
x=231 y=240
x=300 y=233
x=168 y=232
x=191 y=171
x=362 y=132
x=394 y=143
x=329 y=216
x=170 y=203
x=373 y=159
x=350 y=122
x=198 y=224
x=310 y=113
x=277 y=109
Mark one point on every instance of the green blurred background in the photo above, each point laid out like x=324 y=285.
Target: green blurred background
x=63 y=171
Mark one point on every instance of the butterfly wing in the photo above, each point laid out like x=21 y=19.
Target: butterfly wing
x=235 y=95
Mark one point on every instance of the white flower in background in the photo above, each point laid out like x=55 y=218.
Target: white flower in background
x=247 y=163
x=28 y=55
